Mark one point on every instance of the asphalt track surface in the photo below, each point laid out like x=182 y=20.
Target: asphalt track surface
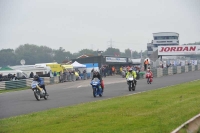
x=72 y=93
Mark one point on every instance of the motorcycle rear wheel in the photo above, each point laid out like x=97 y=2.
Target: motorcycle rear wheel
x=45 y=97
x=133 y=87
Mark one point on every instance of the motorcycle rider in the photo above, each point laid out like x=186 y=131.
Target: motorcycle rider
x=41 y=83
x=97 y=75
x=149 y=71
x=133 y=73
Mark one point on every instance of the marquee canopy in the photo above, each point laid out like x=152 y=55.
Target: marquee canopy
x=78 y=65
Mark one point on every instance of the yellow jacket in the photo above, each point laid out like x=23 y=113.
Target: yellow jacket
x=133 y=73
x=120 y=69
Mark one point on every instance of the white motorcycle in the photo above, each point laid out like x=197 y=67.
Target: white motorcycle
x=38 y=91
x=131 y=83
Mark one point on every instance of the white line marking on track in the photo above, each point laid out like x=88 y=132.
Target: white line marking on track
x=79 y=86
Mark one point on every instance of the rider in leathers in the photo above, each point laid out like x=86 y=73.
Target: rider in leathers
x=97 y=75
x=41 y=83
x=133 y=73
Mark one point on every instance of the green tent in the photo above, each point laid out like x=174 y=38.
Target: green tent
x=5 y=69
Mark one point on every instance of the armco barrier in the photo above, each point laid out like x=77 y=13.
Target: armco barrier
x=196 y=67
x=2 y=85
x=191 y=126
x=189 y=68
x=182 y=69
x=25 y=82
x=154 y=71
x=15 y=84
x=174 y=70
x=165 y=71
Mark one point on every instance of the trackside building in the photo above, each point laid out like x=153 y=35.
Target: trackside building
x=105 y=60
x=162 y=39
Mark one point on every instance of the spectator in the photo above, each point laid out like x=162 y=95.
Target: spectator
x=91 y=74
x=84 y=74
x=31 y=75
x=54 y=74
x=146 y=63
x=13 y=77
x=120 y=69
x=61 y=77
x=113 y=70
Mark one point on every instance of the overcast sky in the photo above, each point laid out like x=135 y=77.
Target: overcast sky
x=80 y=24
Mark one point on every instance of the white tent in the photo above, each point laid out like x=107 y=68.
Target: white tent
x=78 y=65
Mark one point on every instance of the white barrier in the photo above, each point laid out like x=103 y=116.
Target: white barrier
x=170 y=71
x=178 y=69
x=186 y=68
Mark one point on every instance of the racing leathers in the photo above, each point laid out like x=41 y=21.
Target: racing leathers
x=41 y=84
x=97 y=75
x=133 y=73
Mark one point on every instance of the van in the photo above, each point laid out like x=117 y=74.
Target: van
x=55 y=67
x=39 y=70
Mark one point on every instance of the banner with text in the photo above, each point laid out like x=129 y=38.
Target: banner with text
x=179 y=50
x=115 y=59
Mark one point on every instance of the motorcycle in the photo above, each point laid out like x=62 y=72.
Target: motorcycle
x=96 y=86
x=131 y=83
x=123 y=73
x=149 y=78
x=38 y=91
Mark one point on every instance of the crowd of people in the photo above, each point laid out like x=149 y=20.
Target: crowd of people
x=8 y=77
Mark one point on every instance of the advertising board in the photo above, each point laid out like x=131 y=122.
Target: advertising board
x=179 y=50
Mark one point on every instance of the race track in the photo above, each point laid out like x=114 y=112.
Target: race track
x=71 y=93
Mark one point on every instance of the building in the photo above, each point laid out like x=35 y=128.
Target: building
x=105 y=60
x=162 y=39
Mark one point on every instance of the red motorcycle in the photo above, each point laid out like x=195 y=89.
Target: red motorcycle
x=149 y=78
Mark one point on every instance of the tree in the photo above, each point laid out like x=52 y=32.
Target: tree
x=7 y=57
x=112 y=52
x=60 y=55
x=33 y=54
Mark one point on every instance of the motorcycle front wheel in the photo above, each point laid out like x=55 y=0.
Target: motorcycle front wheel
x=37 y=95
x=94 y=93
x=129 y=87
x=148 y=81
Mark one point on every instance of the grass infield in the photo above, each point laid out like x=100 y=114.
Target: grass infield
x=156 y=111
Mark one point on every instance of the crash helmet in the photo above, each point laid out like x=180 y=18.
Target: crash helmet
x=130 y=70
x=36 y=77
x=96 y=72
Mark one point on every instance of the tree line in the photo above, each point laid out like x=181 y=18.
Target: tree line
x=33 y=54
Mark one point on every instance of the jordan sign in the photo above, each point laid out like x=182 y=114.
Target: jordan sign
x=179 y=50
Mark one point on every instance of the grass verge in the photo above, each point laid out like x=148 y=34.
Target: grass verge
x=10 y=90
x=157 y=111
